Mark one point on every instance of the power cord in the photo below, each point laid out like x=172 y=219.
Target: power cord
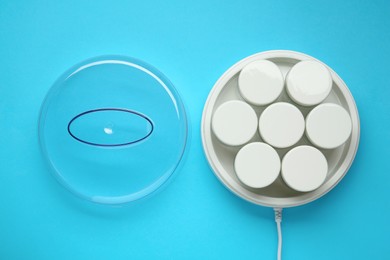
x=278 y=220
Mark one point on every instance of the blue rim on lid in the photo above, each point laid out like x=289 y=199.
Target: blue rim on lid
x=113 y=129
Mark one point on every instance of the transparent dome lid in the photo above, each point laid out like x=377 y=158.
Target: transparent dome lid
x=113 y=129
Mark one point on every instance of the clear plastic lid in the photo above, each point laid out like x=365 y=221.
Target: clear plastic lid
x=113 y=129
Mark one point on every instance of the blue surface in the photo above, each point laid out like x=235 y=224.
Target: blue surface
x=195 y=217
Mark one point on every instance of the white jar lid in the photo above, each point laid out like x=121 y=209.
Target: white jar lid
x=308 y=83
x=328 y=126
x=257 y=165
x=281 y=125
x=234 y=123
x=304 y=168
x=260 y=82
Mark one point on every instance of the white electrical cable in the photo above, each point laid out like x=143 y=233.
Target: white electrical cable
x=278 y=220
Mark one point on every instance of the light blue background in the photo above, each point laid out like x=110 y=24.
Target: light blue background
x=192 y=43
